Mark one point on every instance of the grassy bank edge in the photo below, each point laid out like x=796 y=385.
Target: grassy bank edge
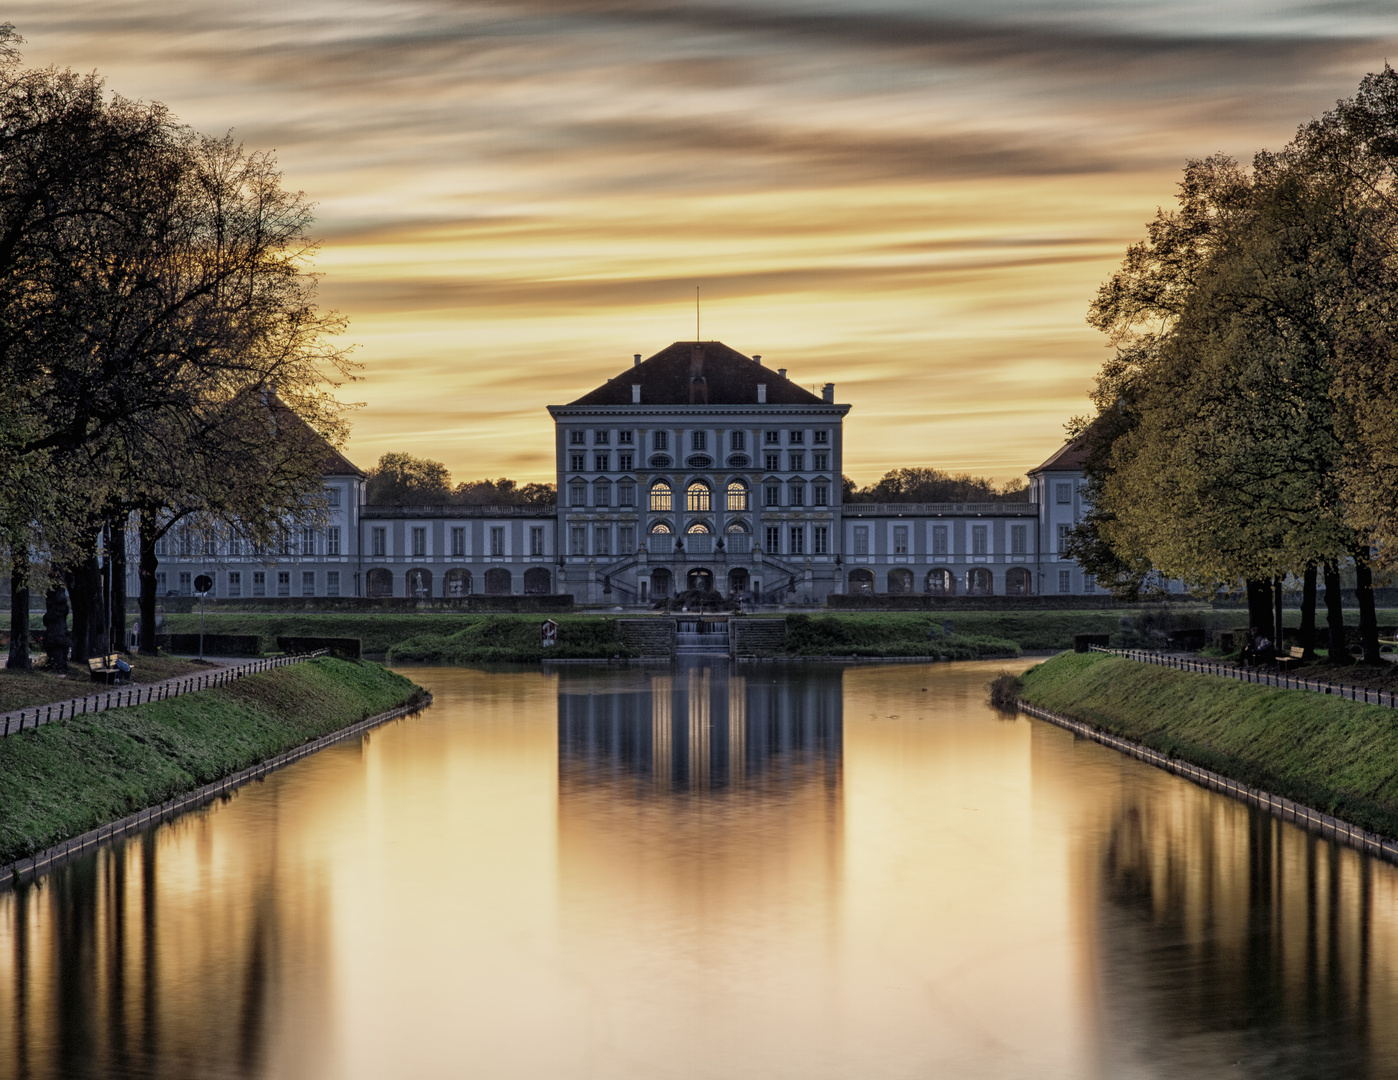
x=1337 y=756
x=63 y=779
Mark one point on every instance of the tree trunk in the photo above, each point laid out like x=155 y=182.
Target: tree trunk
x=118 y=555
x=89 y=618
x=146 y=569
x=1306 y=637
x=1259 y=607
x=1368 y=617
x=1335 y=614
x=19 y=607
x=1277 y=628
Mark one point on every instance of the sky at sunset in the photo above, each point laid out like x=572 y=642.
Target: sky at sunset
x=913 y=200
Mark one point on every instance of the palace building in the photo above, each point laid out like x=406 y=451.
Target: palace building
x=699 y=467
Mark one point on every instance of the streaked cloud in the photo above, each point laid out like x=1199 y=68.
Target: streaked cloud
x=913 y=199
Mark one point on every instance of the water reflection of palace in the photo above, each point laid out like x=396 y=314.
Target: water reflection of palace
x=700 y=727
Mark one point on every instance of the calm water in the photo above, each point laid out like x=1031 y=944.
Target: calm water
x=787 y=872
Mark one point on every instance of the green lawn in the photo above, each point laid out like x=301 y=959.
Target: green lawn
x=65 y=778
x=1335 y=755
x=40 y=686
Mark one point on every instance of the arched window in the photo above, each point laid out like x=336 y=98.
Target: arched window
x=698 y=528
x=737 y=495
x=660 y=527
x=660 y=496
x=941 y=583
x=458 y=583
x=738 y=527
x=900 y=581
x=380 y=582
x=697 y=498
x=420 y=583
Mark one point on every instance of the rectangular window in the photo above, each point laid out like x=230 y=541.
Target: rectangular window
x=577 y=462
x=601 y=438
x=332 y=496
x=288 y=542
x=602 y=493
x=186 y=542
x=602 y=540
x=536 y=540
x=259 y=583
x=308 y=541
x=577 y=493
x=979 y=536
x=737 y=440
x=626 y=493
x=822 y=540
x=1089 y=583
x=283 y=582
x=625 y=462
x=160 y=547
x=939 y=539
x=774 y=539
x=419 y=542
x=210 y=544
x=1063 y=493
x=160 y=583
x=900 y=539
x=796 y=438
x=1063 y=539
x=1019 y=539
x=1065 y=581
x=185 y=586
x=458 y=540
x=772 y=462
x=235 y=583
x=698 y=440
x=601 y=462
x=798 y=461
x=772 y=438
x=821 y=461
x=797 y=494
x=772 y=495
x=577 y=438
x=660 y=440
x=625 y=539
x=822 y=438
x=235 y=545
x=332 y=540
x=332 y=583
x=861 y=539
x=822 y=495
x=378 y=541
x=798 y=540
x=308 y=582
x=623 y=438
x=577 y=540
x=497 y=540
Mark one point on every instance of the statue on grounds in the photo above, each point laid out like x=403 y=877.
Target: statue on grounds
x=56 y=627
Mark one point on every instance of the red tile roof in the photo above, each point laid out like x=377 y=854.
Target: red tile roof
x=728 y=378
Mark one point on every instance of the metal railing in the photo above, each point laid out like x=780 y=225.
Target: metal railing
x=1280 y=679
x=13 y=723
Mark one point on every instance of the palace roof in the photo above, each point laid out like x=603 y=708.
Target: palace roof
x=1071 y=457
x=698 y=373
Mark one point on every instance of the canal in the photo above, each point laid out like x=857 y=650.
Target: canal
x=695 y=872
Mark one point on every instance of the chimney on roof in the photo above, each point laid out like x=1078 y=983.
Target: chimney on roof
x=636 y=362
x=782 y=372
x=762 y=393
x=827 y=393
x=635 y=393
x=757 y=358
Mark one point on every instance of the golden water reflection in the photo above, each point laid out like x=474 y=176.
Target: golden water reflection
x=704 y=872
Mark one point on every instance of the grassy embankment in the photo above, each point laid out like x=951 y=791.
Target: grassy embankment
x=62 y=779
x=1334 y=755
x=39 y=686
x=889 y=634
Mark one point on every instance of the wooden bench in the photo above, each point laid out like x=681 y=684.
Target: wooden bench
x=104 y=668
x=1292 y=659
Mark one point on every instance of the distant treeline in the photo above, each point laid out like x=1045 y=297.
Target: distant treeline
x=404 y=480
x=934 y=486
